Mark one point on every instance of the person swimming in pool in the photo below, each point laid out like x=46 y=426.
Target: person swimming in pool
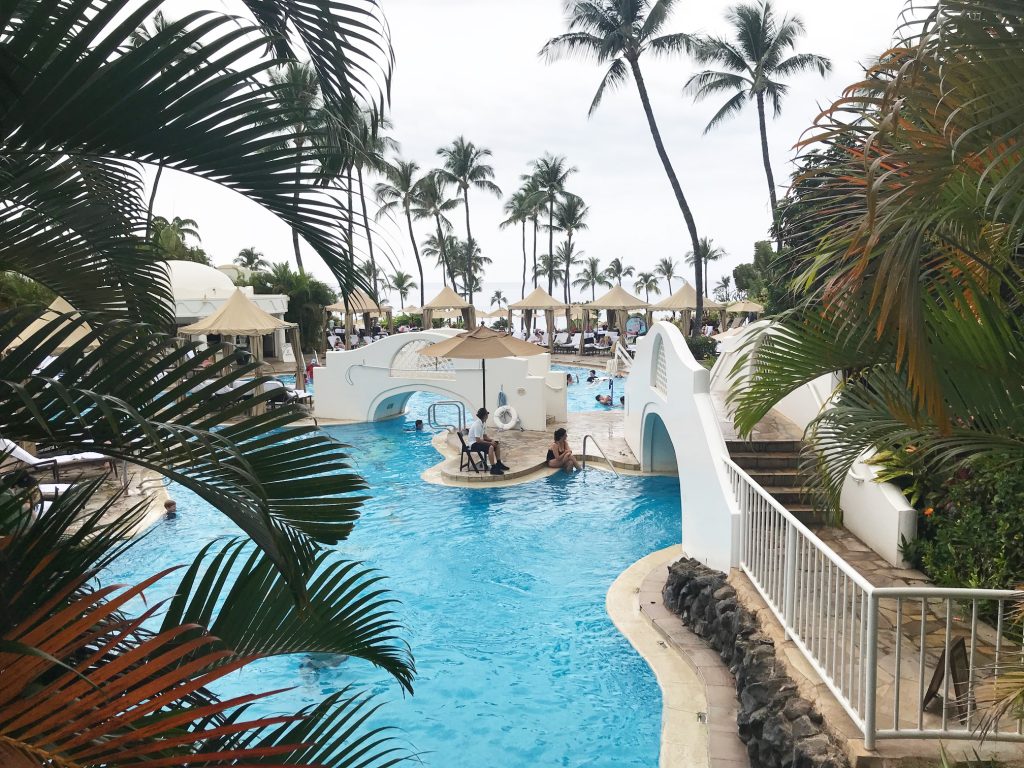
x=604 y=399
x=592 y=377
x=560 y=454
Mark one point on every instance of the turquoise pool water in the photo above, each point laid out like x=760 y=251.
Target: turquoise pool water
x=582 y=396
x=502 y=592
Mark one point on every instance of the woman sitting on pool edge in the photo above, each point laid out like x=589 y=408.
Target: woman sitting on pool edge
x=560 y=454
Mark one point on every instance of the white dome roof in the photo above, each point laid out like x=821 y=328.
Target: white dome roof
x=191 y=280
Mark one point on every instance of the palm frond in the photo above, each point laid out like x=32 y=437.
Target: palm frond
x=617 y=74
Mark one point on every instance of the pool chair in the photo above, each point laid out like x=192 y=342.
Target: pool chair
x=466 y=460
x=572 y=345
x=55 y=463
x=561 y=339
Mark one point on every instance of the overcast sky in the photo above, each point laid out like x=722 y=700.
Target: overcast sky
x=471 y=67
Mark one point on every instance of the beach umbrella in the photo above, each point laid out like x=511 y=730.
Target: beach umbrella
x=483 y=344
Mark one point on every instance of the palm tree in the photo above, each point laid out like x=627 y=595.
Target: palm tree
x=402 y=283
x=162 y=27
x=468 y=256
x=368 y=146
x=444 y=252
x=464 y=166
x=708 y=252
x=592 y=276
x=71 y=188
x=548 y=176
x=252 y=259
x=620 y=32
x=567 y=257
x=723 y=289
x=431 y=201
x=616 y=271
x=648 y=283
x=666 y=268
x=755 y=61
x=551 y=268
x=520 y=209
x=399 y=192
x=499 y=299
x=171 y=239
x=570 y=217
x=300 y=104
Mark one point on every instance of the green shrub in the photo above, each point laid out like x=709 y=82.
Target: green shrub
x=974 y=535
x=702 y=346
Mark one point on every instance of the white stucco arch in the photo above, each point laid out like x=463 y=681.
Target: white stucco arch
x=669 y=409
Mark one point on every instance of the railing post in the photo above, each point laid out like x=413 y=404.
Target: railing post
x=789 y=583
x=871 y=673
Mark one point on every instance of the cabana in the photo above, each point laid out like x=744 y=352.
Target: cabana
x=621 y=303
x=361 y=303
x=684 y=301
x=241 y=317
x=57 y=308
x=448 y=299
x=539 y=300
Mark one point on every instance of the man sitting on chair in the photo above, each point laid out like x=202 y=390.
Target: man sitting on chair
x=479 y=441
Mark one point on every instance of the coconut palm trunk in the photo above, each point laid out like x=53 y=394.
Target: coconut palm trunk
x=674 y=181
x=768 y=170
x=469 y=249
x=523 y=292
x=298 y=184
x=443 y=251
x=535 y=227
x=416 y=252
x=568 y=266
x=152 y=199
x=366 y=225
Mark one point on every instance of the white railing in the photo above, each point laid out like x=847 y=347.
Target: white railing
x=904 y=662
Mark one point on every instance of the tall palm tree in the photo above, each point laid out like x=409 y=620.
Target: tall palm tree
x=567 y=257
x=520 y=209
x=551 y=268
x=401 y=283
x=755 y=61
x=498 y=299
x=444 y=251
x=464 y=166
x=666 y=268
x=469 y=263
x=570 y=217
x=431 y=201
x=592 y=276
x=723 y=289
x=708 y=252
x=648 y=283
x=368 y=147
x=617 y=270
x=535 y=203
x=252 y=259
x=621 y=32
x=300 y=104
x=548 y=176
x=398 y=191
x=162 y=27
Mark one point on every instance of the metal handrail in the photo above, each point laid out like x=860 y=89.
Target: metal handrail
x=459 y=407
x=603 y=454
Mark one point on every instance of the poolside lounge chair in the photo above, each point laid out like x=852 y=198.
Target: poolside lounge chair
x=571 y=345
x=561 y=339
x=55 y=463
x=466 y=460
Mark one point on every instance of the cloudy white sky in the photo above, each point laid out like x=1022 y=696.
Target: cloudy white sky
x=471 y=67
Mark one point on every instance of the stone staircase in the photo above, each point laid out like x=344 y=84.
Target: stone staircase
x=775 y=466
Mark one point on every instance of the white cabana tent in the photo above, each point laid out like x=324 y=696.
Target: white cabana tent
x=449 y=299
x=539 y=300
x=57 y=308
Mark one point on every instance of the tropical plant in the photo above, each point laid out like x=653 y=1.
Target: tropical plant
x=401 y=283
x=444 y=251
x=464 y=166
x=551 y=268
x=567 y=257
x=591 y=276
x=17 y=292
x=398 y=192
x=498 y=299
x=747 y=280
x=307 y=298
x=570 y=217
x=666 y=268
x=755 y=61
x=252 y=259
x=521 y=208
x=170 y=239
x=708 y=252
x=467 y=255
x=73 y=190
x=617 y=271
x=914 y=289
x=648 y=283
x=375 y=276
x=619 y=32
x=548 y=176
x=431 y=201
x=723 y=289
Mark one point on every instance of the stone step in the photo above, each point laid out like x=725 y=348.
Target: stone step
x=755 y=460
x=807 y=514
x=774 y=478
x=764 y=446
x=787 y=496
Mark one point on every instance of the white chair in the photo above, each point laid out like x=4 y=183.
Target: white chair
x=572 y=345
x=54 y=463
x=561 y=339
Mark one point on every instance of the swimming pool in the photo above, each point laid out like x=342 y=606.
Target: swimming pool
x=582 y=396
x=502 y=592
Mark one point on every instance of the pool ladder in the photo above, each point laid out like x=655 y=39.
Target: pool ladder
x=601 y=450
x=435 y=424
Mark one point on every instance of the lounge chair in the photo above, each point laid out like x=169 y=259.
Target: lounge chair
x=466 y=460
x=55 y=463
x=572 y=345
x=561 y=339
